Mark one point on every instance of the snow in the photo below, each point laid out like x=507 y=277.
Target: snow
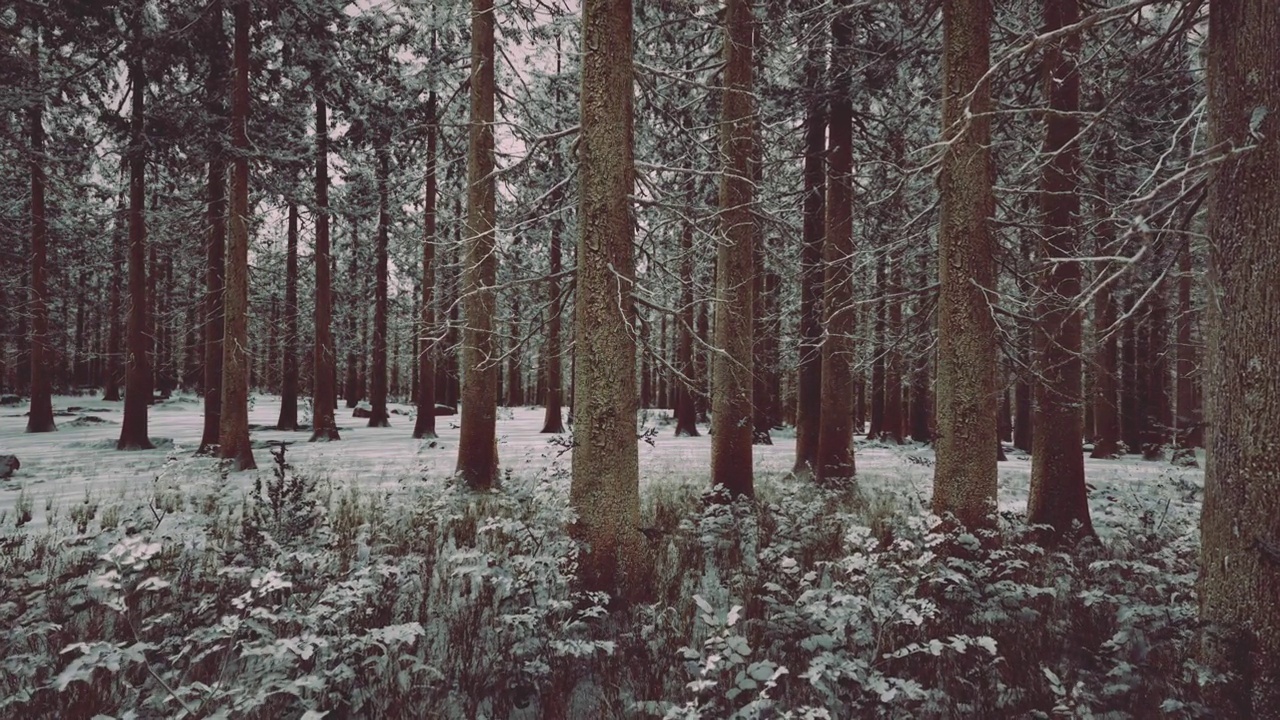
x=80 y=459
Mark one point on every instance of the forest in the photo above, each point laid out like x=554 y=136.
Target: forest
x=639 y=358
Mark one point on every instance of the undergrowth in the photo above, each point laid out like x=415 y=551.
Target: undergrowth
x=305 y=599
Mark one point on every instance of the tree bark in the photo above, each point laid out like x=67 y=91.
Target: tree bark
x=835 y=463
x=964 y=482
x=1240 y=558
x=351 y=389
x=216 y=218
x=1187 y=418
x=1058 y=497
x=1106 y=410
x=813 y=208
x=424 y=425
x=553 y=421
x=40 y=415
x=233 y=436
x=378 y=416
x=137 y=394
x=289 y=343
x=605 y=490
x=733 y=363
x=324 y=425
x=477 y=442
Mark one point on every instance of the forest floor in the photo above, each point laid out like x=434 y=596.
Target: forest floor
x=359 y=581
x=80 y=460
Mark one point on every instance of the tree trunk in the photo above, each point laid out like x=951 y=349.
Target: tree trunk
x=324 y=426
x=809 y=380
x=964 y=481
x=289 y=343
x=1187 y=418
x=1132 y=407
x=113 y=371
x=876 y=430
x=893 y=428
x=477 y=442
x=424 y=425
x=835 y=430
x=1106 y=411
x=378 y=416
x=40 y=417
x=216 y=217
x=1155 y=371
x=233 y=436
x=553 y=422
x=1240 y=560
x=515 y=382
x=1058 y=497
x=733 y=363
x=351 y=389
x=605 y=491
x=137 y=394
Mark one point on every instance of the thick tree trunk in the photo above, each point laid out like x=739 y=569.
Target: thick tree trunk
x=289 y=343
x=733 y=364
x=835 y=464
x=233 y=436
x=686 y=404
x=424 y=425
x=1240 y=559
x=1159 y=416
x=113 y=370
x=605 y=491
x=215 y=242
x=477 y=442
x=1106 y=410
x=40 y=416
x=964 y=482
x=813 y=208
x=1058 y=497
x=324 y=426
x=137 y=394
x=351 y=388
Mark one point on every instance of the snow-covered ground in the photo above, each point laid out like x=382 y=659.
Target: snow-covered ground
x=80 y=458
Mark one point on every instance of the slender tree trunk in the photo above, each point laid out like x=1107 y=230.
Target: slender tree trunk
x=553 y=422
x=1159 y=417
x=878 y=349
x=1132 y=409
x=809 y=380
x=893 y=428
x=1240 y=560
x=233 y=436
x=515 y=383
x=424 y=425
x=324 y=426
x=113 y=372
x=964 y=482
x=216 y=218
x=1106 y=410
x=835 y=463
x=40 y=416
x=351 y=391
x=1058 y=497
x=378 y=416
x=733 y=364
x=921 y=418
x=137 y=394
x=289 y=344
x=477 y=442
x=1187 y=418
x=686 y=403
x=605 y=491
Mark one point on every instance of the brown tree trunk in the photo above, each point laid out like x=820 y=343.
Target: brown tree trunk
x=324 y=426
x=351 y=389
x=921 y=417
x=137 y=393
x=1240 y=559
x=233 y=436
x=893 y=428
x=835 y=463
x=878 y=349
x=553 y=421
x=1132 y=390
x=113 y=370
x=215 y=242
x=515 y=382
x=964 y=482
x=686 y=404
x=289 y=343
x=813 y=208
x=40 y=417
x=1106 y=410
x=424 y=425
x=1058 y=497
x=733 y=363
x=1155 y=371
x=477 y=442
x=378 y=416
x=1187 y=418
x=605 y=491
